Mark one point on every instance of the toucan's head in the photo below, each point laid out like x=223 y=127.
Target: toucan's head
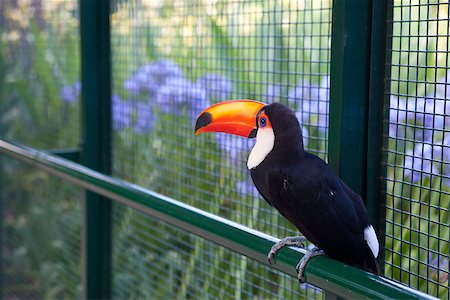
x=275 y=126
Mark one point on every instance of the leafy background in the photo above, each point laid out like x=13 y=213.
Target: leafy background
x=170 y=60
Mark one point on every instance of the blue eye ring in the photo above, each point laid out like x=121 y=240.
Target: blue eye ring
x=262 y=122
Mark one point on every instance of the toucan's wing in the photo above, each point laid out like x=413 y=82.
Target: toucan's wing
x=314 y=199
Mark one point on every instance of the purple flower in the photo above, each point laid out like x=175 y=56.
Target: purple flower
x=426 y=160
x=273 y=93
x=312 y=103
x=429 y=112
x=71 y=93
x=173 y=92
x=179 y=94
x=121 y=112
x=196 y=106
x=311 y=92
x=233 y=145
x=216 y=86
x=137 y=115
x=151 y=76
x=435 y=117
x=397 y=117
x=438 y=267
x=443 y=87
x=245 y=187
x=417 y=162
x=145 y=118
x=133 y=85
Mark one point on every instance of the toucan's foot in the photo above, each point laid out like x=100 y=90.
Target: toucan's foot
x=304 y=261
x=296 y=241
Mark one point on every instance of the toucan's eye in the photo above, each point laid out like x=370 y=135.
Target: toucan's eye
x=262 y=122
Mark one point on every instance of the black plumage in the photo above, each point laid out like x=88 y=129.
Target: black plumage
x=306 y=191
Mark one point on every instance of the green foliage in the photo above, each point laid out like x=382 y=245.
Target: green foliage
x=41 y=234
x=151 y=259
x=40 y=215
x=34 y=75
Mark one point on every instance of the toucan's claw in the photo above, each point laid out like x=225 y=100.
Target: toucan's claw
x=296 y=241
x=304 y=261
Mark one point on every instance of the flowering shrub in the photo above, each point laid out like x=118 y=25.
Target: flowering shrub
x=423 y=123
x=255 y=50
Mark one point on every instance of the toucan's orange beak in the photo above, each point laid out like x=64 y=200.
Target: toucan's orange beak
x=234 y=117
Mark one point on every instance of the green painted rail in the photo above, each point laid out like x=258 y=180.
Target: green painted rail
x=328 y=274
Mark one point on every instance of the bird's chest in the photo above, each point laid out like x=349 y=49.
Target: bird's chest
x=259 y=180
x=289 y=189
x=272 y=183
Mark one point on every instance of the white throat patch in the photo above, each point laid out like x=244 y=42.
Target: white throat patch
x=265 y=139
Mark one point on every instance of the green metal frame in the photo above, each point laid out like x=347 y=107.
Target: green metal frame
x=375 y=196
x=350 y=51
x=69 y=154
x=328 y=274
x=96 y=143
x=356 y=99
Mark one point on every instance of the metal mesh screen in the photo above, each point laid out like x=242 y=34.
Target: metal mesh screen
x=39 y=72
x=40 y=234
x=417 y=147
x=173 y=59
x=152 y=260
x=39 y=106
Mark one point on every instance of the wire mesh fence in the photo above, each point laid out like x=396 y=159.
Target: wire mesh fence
x=169 y=61
x=172 y=60
x=40 y=72
x=39 y=106
x=154 y=260
x=40 y=234
x=417 y=147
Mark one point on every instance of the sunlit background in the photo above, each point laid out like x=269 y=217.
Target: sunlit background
x=171 y=59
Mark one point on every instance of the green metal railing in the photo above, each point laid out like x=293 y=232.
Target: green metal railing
x=331 y=275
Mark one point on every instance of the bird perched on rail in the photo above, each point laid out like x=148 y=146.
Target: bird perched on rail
x=300 y=185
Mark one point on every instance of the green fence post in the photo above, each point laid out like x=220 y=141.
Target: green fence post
x=357 y=96
x=96 y=143
x=350 y=75
x=379 y=83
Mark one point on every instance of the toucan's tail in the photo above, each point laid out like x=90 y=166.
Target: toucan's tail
x=371 y=263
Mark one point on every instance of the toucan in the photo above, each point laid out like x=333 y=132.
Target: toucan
x=300 y=185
